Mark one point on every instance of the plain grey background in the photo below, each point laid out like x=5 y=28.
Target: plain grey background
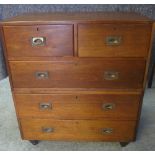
x=9 y=10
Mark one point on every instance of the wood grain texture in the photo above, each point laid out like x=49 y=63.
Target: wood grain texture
x=70 y=58
x=76 y=90
x=78 y=130
x=78 y=106
x=8 y=70
x=76 y=59
x=78 y=74
x=59 y=40
x=146 y=75
x=80 y=17
x=92 y=40
x=2 y=39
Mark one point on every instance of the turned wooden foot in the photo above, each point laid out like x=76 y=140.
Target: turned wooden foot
x=123 y=144
x=34 y=142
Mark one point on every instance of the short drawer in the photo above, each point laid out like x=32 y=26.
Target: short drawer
x=116 y=74
x=36 y=41
x=96 y=130
x=113 y=40
x=78 y=106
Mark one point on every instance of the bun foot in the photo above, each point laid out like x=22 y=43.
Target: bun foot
x=123 y=144
x=34 y=142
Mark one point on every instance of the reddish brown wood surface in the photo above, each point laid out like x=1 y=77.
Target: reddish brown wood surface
x=134 y=40
x=59 y=40
x=78 y=130
x=76 y=87
x=78 y=74
x=78 y=106
x=51 y=18
x=75 y=91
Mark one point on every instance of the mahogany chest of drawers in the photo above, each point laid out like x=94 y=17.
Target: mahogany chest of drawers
x=78 y=76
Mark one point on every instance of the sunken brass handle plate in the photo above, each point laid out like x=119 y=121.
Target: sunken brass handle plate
x=107 y=131
x=111 y=75
x=113 y=40
x=42 y=75
x=47 y=129
x=38 y=41
x=108 y=106
x=45 y=106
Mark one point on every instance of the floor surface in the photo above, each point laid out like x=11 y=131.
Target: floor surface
x=10 y=136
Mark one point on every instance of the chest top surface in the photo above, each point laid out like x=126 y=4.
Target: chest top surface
x=47 y=18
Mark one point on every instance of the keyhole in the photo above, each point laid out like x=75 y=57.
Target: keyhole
x=37 y=28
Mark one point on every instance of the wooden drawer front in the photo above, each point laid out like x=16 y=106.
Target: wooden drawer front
x=97 y=130
x=65 y=106
x=78 y=74
x=107 y=40
x=57 y=40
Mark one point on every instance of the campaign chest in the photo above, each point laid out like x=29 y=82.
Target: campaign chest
x=77 y=76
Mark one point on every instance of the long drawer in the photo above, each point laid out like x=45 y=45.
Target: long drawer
x=39 y=40
x=82 y=73
x=95 y=130
x=78 y=106
x=109 y=40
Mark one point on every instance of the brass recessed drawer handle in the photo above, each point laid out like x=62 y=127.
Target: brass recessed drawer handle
x=111 y=75
x=107 y=131
x=108 y=106
x=42 y=75
x=113 y=40
x=45 y=106
x=38 y=41
x=47 y=129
